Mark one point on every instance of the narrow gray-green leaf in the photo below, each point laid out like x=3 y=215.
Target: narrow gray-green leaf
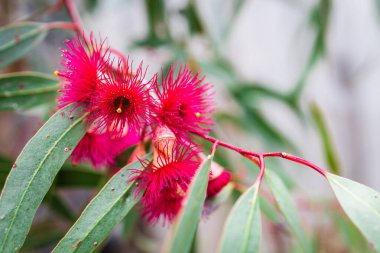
x=242 y=230
x=33 y=174
x=326 y=138
x=288 y=208
x=22 y=90
x=181 y=235
x=17 y=39
x=361 y=204
x=102 y=214
x=269 y=210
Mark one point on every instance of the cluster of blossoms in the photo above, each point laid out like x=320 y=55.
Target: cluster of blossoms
x=124 y=110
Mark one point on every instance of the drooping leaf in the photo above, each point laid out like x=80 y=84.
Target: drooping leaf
x=17 y=39
x=33 y=174
x=181 y=235
x=328 y=148
x=361 y=204
x=288 y=208
x=242 y=230
x=23 y=90
x=114 y=201
x=269 y=211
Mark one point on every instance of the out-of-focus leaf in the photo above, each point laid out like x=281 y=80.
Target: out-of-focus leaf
x=288 y=208
x=42 y=235
x=17 y=39
x=102 y=214
x=269 y=211
x=77 y=177
x=361 y=204
x=58 y=205
x=23 y=90
x=91 y=4
x=236 y=8
x=319 y=18
x=276 y=166
x=5 y=167
x=242 y=230
x=191 y=14
x=328 y=147
x=158 y=29
x=33 y=174
x=130 y=221
x=255 y=120
x=181 y=235
x=351 y=236
x=69 y=176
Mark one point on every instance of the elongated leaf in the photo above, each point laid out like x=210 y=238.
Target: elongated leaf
x=181 y=236
x=17 y=39
x=269 y=211
x=328 y=147
x=23 y=90
x=33 y=173
x=288 y=208
x=242 y=230
x=361 y=204
x=102 y=214
x=59 y=206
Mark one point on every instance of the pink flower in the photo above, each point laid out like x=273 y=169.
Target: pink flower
x=216 y=184
x=166 y=179
x=101 y=148
x=122 y=101
x=184 y=103
x=85 y=63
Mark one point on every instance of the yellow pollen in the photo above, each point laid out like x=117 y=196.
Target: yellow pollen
x=119 y=110
x=56 y=73
x=197 y=114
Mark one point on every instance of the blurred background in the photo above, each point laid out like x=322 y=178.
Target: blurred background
x=299 y=76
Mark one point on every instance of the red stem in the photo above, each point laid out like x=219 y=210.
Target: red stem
x=262 y=170
x=247 y=153
x=297 y=160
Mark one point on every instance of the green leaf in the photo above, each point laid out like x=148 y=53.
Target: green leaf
x=42 y=235
x=59 y=206
x=269 y=211
x=181 y=235
x=33 y=174
x=287 y=207
x=17 y=39
x=361 y=204
x=328 y=148
x=102 y=214
x=22 y=90
x=242 y=230
x=78 y=177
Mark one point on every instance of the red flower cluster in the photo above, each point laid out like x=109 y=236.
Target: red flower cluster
x=122 y=106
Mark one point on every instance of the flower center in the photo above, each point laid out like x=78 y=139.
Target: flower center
x=121 y=103
x=182 y=110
